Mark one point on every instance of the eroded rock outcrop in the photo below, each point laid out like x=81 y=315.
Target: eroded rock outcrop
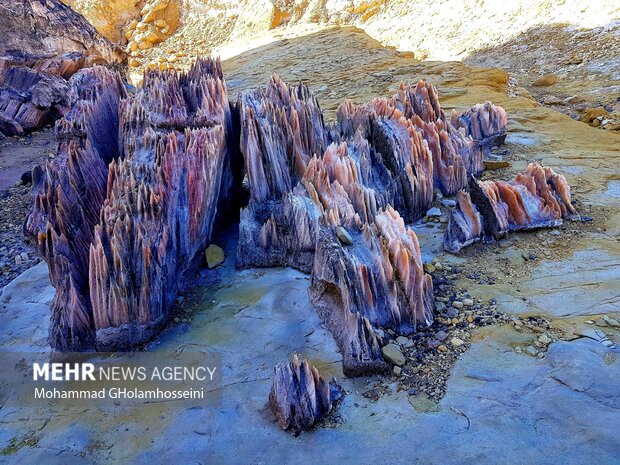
x=161 y=166
x=484 y=122
x=413 y=114
x=153 y=185
x=44 y=44
x=336 y=211
x=282 y=127
x=299 y=397
x=67 y=197
x=539 y=198
x=48 y=28
x=30 y=100
x=161 y=204
x=376 y=282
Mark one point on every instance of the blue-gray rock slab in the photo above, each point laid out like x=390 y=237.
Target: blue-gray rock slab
x=500 y=407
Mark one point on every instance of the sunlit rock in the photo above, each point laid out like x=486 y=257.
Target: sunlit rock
x=539 y=198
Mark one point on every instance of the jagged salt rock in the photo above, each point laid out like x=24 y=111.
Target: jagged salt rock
x=299 y=397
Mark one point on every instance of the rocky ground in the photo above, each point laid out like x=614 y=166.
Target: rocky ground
x=521 y=352
x=16 y=255
x=567 y=68
x=17 y=157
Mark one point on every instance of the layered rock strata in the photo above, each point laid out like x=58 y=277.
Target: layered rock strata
x=49 y=28
x=44 y=44
x=299 y=397
x=539 y=198
x=30 y=100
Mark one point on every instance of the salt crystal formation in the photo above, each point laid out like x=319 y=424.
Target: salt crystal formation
x=454 y=150
x=282 y=127
x=136 y=205
x=299 y=397
x=67 y=197
x=378 y=281
x=125 y=210
x=161 y=201
x=312 y=193
x=539 y=198
x=484 y=122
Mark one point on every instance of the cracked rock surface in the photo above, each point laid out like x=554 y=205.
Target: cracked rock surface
x=500 y=406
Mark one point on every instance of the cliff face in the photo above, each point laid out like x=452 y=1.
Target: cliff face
x=528 y=39
x=447 y=30
x=50 y=28
x=109 y=17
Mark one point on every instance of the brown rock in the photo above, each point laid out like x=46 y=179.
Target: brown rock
x=591 y=114
x=48 y=29
x=546 y=80
x=496 y=164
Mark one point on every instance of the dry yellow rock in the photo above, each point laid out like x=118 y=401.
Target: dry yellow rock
x=214 y=256
x=151 y=36
x=546 y=80
x=109 y=16
x=591 y=114
x=159 y=5
x=149 y=17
